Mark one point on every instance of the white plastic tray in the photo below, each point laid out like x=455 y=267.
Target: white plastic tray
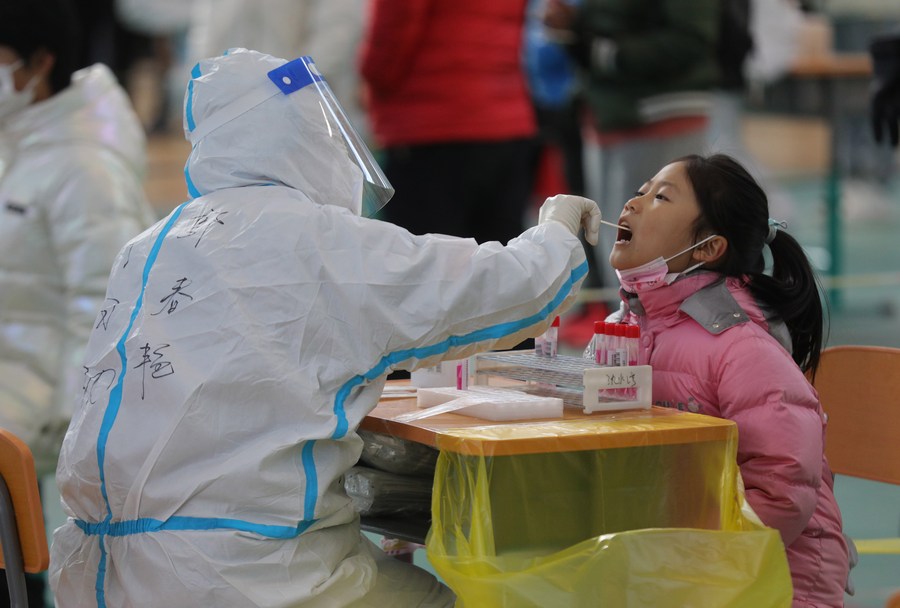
x=579 y=382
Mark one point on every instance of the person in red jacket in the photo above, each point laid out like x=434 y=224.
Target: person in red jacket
x=449 y=106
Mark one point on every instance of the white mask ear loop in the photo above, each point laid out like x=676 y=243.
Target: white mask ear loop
x=674 y=275
x=694 y=246
x=7 y=72
x=12 y=100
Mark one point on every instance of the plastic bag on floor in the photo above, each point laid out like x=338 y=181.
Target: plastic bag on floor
x=375 y=492
x=395 y=455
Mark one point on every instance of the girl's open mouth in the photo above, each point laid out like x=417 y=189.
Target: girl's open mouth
x=623 y=237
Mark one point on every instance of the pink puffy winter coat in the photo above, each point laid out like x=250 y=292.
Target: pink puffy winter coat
x=714 y=352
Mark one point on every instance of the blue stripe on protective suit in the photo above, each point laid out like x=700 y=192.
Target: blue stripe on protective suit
x=115 y=397
x=488 y=333
x=189 y=107
x=192 y=189
x=147 y=524
x=312 y=480
x=191 y=125
x=144 y=525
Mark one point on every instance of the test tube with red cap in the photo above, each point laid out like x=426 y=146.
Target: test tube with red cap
x=619 y=350
x=546 y=344
x=590 y=352
x=634 y=343
x=552 y=338
x=601 y=336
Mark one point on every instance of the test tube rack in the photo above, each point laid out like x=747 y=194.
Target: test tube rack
x=579 y=382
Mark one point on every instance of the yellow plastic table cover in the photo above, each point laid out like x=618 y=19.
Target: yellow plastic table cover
x=633 y=509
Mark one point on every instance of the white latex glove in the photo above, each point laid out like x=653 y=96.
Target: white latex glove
x=573 y=212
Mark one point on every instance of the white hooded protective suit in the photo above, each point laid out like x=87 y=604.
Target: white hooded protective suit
x=70 y=196
x=251 y=332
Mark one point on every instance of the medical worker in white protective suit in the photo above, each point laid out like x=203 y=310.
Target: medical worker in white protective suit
x=252 y=331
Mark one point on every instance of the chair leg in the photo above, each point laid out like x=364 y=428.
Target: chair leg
x=12 y=551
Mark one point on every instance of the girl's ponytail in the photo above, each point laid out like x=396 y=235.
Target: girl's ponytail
x=793 y=292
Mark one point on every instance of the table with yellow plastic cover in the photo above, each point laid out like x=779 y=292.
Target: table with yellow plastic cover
x=628 y=508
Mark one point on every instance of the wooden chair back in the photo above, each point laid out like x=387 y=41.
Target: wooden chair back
x=859 y=388
x=17 y=470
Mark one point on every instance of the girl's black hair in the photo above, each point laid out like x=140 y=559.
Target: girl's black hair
x=27 y=26
x=733 y=205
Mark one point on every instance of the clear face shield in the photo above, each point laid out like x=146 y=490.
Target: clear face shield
x=301 y=73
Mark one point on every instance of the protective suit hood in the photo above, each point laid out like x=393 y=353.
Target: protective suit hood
x=92 y=109
x=279 y=139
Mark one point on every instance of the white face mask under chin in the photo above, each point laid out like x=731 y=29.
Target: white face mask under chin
x=11 y=100
x=655 y=273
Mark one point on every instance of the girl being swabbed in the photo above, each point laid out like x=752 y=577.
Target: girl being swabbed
x=729 y=340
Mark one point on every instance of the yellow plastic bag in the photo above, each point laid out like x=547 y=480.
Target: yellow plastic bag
x=648 y=524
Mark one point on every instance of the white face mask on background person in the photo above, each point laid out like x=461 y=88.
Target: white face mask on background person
x=655 y=273
x=11 y=100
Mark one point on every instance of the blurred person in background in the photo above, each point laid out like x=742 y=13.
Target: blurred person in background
x=885 y=92
x=151 y=76
x=106 y=39
x=275 y=26
x=71 y=165
x=733 y=45
x=556 y=95
x=647 y=67
x=186 y=31
x=450 y=108
x=327 y=30
x=131 y=53
x=757 y=45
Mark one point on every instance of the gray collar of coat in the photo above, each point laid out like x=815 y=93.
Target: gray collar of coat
x=716 y=310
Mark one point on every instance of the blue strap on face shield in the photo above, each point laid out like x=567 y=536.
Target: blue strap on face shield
x=296 y=74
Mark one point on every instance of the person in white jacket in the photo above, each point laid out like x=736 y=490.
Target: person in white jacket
x=252 y=331
x=329 y=30
x=71 y=167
